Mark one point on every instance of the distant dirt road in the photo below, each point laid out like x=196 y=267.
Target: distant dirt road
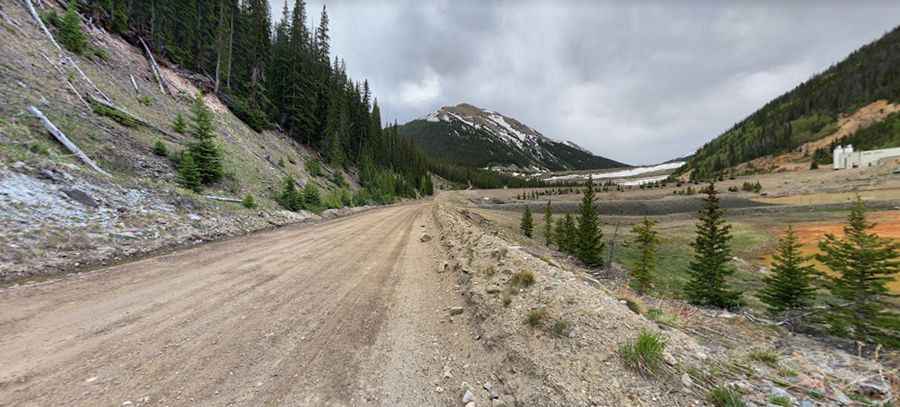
x=348 y=312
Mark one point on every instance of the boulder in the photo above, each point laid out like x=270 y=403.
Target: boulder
x=81 y=197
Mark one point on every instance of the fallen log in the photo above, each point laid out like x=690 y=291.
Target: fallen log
x=155 y=68
x=222 y=198
x=132 y=117
x=65 y=140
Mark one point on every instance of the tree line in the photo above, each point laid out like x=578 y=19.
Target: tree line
x=809 y=111
x=284 y=76
x=861 y=264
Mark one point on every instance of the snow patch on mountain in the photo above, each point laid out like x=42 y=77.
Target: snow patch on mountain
x=628 y=173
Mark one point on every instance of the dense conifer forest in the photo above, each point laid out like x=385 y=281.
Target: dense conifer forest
x=284 y=76
x=809 y=111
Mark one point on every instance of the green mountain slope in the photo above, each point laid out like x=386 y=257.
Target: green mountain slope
x=810 y=111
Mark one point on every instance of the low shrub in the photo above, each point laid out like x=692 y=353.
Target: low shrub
x=159 y=148
x=314 y=168
x=561 y=328
x=645 y=354
x=657 y=315
x=249 y=202
x=783 y=401
x=522 y=279
x=765 y=356
x=536 y=317
x=725 y=396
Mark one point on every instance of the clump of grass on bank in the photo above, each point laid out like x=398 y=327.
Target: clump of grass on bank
x=536 y=317
x=522 y=279
x=660 y=317
x=561 y=328
x=725 y=396
x=764 y=356
x=645 y=354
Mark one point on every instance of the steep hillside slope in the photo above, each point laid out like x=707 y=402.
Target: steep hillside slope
x=58 y=214
x=811 y=111
x=475 y=137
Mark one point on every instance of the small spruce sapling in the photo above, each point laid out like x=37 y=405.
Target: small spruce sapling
x=527 y=223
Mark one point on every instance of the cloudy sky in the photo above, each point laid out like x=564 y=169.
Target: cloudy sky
x=639 y=82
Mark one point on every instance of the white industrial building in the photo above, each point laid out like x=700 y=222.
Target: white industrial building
x=845 y=157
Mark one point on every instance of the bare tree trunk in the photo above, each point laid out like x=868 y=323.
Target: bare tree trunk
x=65 y=140
x=220 y=45
x=40 y=23
x=155 y=68
x=230 y=51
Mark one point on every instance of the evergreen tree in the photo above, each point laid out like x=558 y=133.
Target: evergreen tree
x=188 y=172
x=647 y=240
x=862 y=264
x=789 y=287
x=119 y=17
x=311 y=198
x=559 y=234
x=548 y=224
x=70 y=34
x=527 y=223
x=712 y=253
x=289 y=198
x=203 y=149
x=179 y=125
x=590 y=238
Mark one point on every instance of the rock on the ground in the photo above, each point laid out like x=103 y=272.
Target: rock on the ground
x=456 y=310
x=81 y=197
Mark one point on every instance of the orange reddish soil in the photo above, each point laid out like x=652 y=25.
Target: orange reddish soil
x=887 y=226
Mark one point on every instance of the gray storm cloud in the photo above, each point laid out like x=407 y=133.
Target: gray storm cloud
x=639 y=82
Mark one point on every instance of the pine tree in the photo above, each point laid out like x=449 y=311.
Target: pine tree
x=311 y=198
x=70 y=34
x=647 y=240
x=119 y=17
x=188 y=172
x=160 y=149
x=289 y=198
x=179 y=125
x=789 y=287
x=203 y=149
x=559 y=234
x=548 y=224
x=527 y=224
x=590 y=238
x=712 y=253
x=862 y=264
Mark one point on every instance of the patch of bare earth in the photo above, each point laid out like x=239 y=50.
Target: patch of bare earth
x=846 y=125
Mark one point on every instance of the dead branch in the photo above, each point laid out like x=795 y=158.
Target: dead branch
x=40 y=23
x=133 y=83
x=88 y=80
x=155 y=68
x=222 y=198
x=68 y=83
x=65 y=140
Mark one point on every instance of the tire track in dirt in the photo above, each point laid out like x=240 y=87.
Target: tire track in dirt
x=280 y=318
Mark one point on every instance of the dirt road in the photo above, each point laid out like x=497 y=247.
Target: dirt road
x=348 y=312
